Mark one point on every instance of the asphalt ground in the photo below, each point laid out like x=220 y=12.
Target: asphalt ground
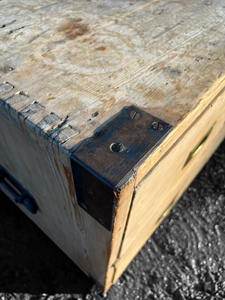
x=184 y=258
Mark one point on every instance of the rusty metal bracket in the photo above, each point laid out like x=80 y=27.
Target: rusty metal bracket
x=104 y=160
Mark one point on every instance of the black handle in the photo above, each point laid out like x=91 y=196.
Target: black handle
x=15 y=191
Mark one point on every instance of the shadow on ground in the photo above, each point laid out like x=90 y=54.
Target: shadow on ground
x=184 y=259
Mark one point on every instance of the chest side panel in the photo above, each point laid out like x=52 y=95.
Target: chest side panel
x=162 y=187
x=84 y=240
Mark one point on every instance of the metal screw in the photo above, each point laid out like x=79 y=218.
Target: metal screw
x=135 y=115
x=101 y=221
x=95 y=114
x=90 y=192
x=84 y=206
x=157 y=126
x=117 y=147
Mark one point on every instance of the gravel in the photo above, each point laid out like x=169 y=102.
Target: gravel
x=184 y=258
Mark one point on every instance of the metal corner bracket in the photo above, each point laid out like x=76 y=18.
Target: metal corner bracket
x=101 y=163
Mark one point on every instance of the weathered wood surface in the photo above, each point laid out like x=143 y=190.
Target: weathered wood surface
x=66 y=68
x=77 y=63
x=167 y=182
x=83 y=239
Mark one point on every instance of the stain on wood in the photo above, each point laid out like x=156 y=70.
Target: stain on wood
x=70 y=181
x=102 y=48
x=74 y=28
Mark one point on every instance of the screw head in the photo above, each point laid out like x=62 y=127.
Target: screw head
x=135 y=115
x=90 y=192
x=117 y=147
x=157 y=126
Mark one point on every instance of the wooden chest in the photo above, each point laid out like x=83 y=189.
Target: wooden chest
x=108 y=110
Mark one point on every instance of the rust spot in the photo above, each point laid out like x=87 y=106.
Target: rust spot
x=102 y=48
x=70 y=180
x=7 y=69
x=74 y=29
x=68 y=176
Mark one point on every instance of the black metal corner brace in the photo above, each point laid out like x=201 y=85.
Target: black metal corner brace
x=105 y=159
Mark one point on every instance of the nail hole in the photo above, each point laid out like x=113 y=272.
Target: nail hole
x=116 y=147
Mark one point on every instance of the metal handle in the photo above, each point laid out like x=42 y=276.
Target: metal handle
x=16 y=192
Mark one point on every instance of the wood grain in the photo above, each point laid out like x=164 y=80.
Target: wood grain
x=125 y=260
x=67 y=68
x=82 y=61
x=84 y=240
x=169 y=180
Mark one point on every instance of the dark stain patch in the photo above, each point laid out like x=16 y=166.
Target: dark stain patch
x=74 y=28
x=198 y=58
x=6 y=69
x=102 y=48
x=174 y=72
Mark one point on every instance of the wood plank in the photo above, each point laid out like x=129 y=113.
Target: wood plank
x=152 y=193
x=174 y=195
x=83 y=61
x=121 y=211
x=67 y=68
x=83 y=239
